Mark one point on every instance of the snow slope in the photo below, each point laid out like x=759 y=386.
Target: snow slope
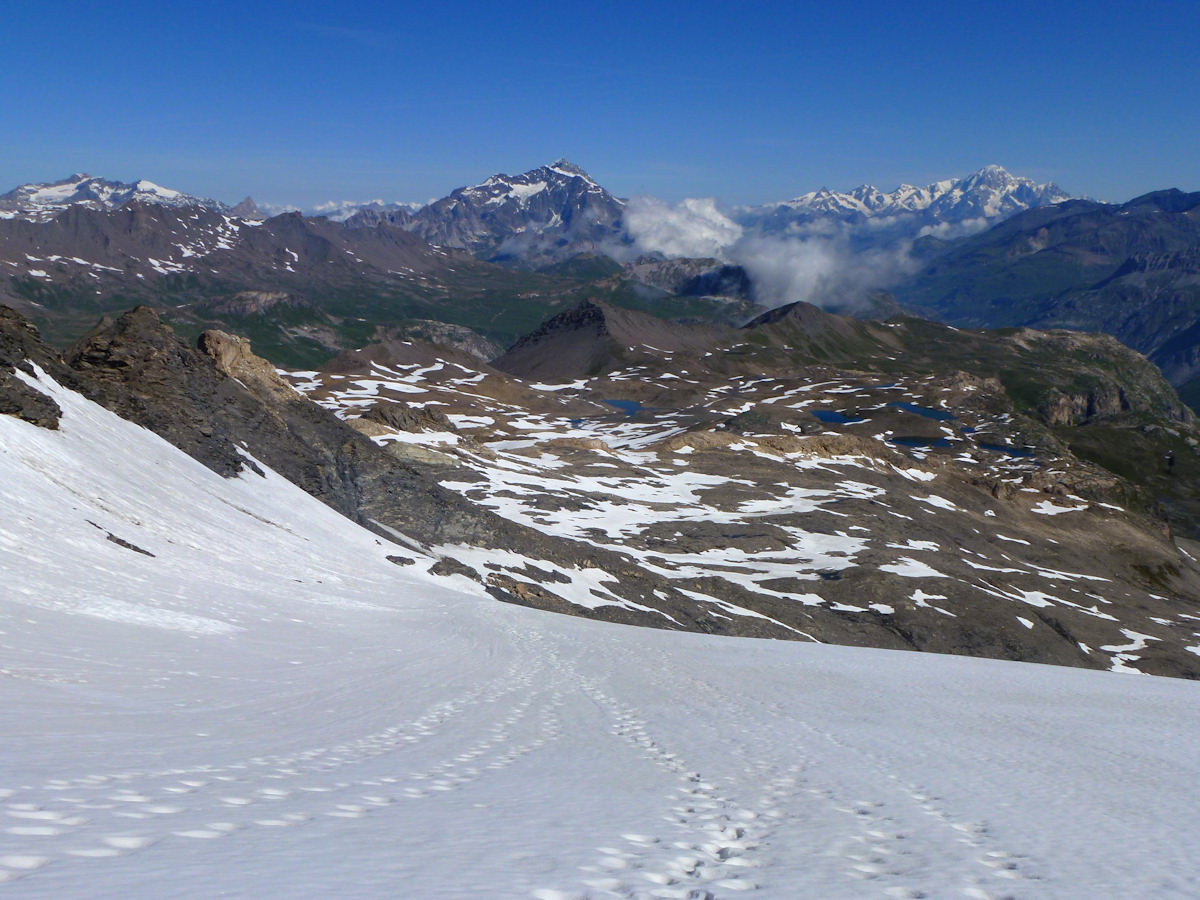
x=268 y=707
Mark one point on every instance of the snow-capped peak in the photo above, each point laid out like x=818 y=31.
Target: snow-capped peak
x=561 y=179
x=45 y=199
x=563 y=167
x=143 y=186
x=989 y=193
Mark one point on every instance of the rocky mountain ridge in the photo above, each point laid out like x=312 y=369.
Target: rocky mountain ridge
x=304 y=288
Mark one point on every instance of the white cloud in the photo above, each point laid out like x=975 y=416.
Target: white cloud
x=693 y=227
x=949 y=230
x=276 y=209
x=339 y=206
x=814 y=260
x=820 y=270
x=784 y=269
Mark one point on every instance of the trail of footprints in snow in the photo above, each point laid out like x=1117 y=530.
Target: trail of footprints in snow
x=711 y=846
x=877 y=852
x=236 y=794
x=321 y=759
x=880 y=851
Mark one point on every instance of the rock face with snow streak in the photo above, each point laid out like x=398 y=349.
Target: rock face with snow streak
x=21 y=348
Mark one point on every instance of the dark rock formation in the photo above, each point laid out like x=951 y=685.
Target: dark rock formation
x=596 y=337
x=406 y=418
x=21 y=345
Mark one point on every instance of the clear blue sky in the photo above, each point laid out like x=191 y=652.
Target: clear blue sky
x=303 y=102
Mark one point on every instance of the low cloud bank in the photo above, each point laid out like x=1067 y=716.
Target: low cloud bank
x=692 y=227
x=816 y=261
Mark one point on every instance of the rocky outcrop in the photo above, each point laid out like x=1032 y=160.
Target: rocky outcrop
x=138 y=368
x=252 y=303
x=233 y=357
x=1076 y=409
x=21 y=348
x=20 y=400
x=456 y=337
x=402 y=417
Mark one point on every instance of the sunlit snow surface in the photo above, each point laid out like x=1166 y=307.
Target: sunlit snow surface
x=266 y=707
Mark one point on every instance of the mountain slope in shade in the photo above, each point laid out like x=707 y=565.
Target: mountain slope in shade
x=1130 y=270
x=597 y=337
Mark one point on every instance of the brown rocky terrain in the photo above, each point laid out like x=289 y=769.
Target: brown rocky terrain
x=928 y=509
x=670 y=488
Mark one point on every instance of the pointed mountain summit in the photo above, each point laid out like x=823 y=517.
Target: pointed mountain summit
x=564 y=166
x=247 y=209
x=537 y=218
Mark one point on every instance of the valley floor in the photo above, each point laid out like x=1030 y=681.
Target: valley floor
x=267 y=707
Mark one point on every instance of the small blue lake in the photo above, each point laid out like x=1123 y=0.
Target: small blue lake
x=938 y=415
x=919 y=442
x=1023 y=452
x=629 y=407
x=833 y=417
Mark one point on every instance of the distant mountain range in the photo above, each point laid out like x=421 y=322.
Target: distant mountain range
x=553 y=212
x=991 y=249
x=304 y=288
x=41 y=202
x=984 y=197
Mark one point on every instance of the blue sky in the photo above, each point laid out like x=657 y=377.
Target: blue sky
x=304 y=102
